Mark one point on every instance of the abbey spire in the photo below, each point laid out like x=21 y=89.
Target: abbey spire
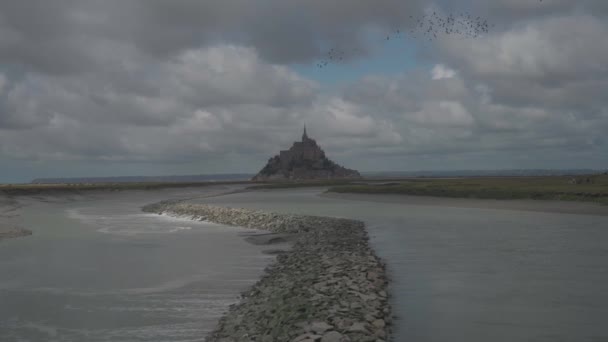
x=304 y=135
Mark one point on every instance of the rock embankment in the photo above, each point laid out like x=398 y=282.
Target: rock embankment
x=329 y=287
x=9 y=233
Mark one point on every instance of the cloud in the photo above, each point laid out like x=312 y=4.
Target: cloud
x=439 y=113
x=528 y=88
x=202 y=103
x=551 y=49
x=223 y=75
x=555 y=64
x=69 y=36
x=170 y=82
x=440 y=71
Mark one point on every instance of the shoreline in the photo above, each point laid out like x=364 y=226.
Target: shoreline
x=588 y=188
x=548 y=206
x=330 y=286
x=17 y=190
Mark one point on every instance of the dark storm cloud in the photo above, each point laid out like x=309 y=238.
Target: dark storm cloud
x=41 y=35
x=61 y=36
x=503 y=13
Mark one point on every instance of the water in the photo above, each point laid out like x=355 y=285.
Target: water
x=98 y=269
x=471 y=274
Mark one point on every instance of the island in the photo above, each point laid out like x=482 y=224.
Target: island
x=305 y=160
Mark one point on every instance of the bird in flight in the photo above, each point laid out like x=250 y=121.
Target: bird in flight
x=429 y=26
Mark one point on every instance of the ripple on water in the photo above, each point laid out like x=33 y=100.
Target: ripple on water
x=130 y=224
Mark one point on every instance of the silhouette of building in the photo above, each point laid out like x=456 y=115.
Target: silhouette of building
x=304 y=160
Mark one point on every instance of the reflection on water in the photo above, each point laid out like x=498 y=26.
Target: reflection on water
x=466 y=274
x=99 y=269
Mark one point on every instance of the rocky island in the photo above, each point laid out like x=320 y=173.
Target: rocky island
x=303 y=161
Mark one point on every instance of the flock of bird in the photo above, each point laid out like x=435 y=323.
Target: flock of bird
x=429 y=27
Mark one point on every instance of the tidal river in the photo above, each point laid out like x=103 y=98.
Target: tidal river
x=98 y=269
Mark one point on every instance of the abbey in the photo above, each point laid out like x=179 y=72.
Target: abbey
x=304 y=160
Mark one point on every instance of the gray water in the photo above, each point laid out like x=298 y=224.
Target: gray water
x=99 y=269
x=470 y=274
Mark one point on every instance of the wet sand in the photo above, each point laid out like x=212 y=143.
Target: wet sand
x=564 y=207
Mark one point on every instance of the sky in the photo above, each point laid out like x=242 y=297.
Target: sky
x=159 y=87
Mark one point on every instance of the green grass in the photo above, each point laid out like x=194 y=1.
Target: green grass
x=540 y=188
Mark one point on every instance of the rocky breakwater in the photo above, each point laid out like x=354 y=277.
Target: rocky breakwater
x=329 y=287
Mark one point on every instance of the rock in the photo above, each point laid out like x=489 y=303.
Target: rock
x=332 y=336
x=357 y=327
x=355 y=305
x=320 y=327
x=302 y=325
x=306 y=337
x=372 y=275
x=265 y=338
x=379 y=323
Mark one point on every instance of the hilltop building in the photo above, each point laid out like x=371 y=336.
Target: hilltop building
x=304 y=160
